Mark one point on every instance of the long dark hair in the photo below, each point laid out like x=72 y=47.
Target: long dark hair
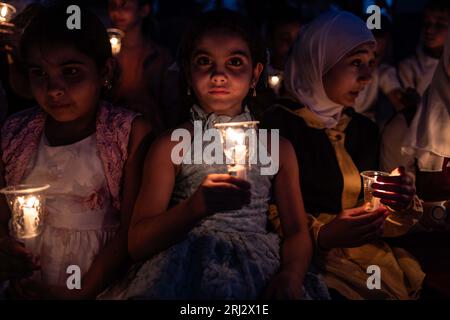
x=223 y=20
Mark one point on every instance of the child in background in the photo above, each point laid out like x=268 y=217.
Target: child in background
x=428 y=142
x=142 y=62
x=282 y=30
x=415 y=74
x=384 y=83
x=89 y=151
x=417 y=70
x=15 y=81
x=202 y=232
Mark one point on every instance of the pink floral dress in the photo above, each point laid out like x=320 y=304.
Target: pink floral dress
x=86 y=181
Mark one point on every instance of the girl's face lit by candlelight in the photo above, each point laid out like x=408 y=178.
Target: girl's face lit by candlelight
x=348 y=77
x=222 y=72
x=65 y=82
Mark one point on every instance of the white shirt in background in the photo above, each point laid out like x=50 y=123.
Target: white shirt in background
x=384 y=79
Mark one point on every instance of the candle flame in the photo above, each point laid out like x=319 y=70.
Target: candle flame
x=274 y=80
x=4 y=11
x=114 y=41
x=236 y=136
x=28 y=202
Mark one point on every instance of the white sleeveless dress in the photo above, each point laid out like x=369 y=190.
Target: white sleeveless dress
x=80 y=218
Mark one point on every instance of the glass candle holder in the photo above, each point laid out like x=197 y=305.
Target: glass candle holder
x=7 y=12
x=27 y=209
x=369 y=177
x=239 y=145
x=115 y=38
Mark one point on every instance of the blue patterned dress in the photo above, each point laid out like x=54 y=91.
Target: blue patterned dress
x=228 y=255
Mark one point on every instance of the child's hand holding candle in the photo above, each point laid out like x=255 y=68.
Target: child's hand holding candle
x=15 y=260
x=396 y=190
x=220 y=192
x=239 y=169
x=352 y=228
x=372 y=202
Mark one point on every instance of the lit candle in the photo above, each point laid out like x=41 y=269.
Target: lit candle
x=115 y=38
x=29 y=220
x=115 y=45
x=3 y=13
x=236 y=146
x=274 y=81
x=370 y=177
x=29 y=208
x=235 y=135
x=26 y=203
x=239 y=169
x=7 y=12
x=240 y=151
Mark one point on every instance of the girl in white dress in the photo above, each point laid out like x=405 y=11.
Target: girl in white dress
x=89 y=151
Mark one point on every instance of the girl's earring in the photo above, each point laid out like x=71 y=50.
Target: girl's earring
x=254 y=92
x=188 y=91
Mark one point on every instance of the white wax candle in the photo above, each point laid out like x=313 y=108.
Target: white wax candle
x=29 y=220
x=115 y=45
x=239 y=153
x=3 y=13
x=28 y=208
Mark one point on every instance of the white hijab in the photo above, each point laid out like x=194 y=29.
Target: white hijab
x=428 y=137
x=320 y=45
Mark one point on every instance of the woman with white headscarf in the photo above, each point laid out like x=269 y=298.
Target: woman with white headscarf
x=330 y=64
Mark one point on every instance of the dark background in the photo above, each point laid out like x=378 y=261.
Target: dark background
x=172 y=16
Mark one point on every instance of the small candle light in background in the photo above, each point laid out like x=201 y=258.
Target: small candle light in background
x=274 y=81
x=27 y=209
x=7 y=12
x=369 y=177
x=237 y=145
x=115 y=38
